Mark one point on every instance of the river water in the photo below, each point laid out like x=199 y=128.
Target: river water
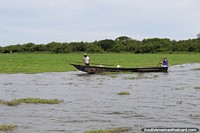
x=91 y=101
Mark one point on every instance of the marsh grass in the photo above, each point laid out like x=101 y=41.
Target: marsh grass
x=7 y=127
x=10 y=103
x=36 y=63
x=30 y=101
x=130 y=78
x=197 y=87
x=196 y=69
x=156 y=76
x=195 y=115
x=179 y=88
x=123 y=93
x=113 y=76
x=113 y=130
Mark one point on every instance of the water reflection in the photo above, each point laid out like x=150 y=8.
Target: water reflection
x=91 y=101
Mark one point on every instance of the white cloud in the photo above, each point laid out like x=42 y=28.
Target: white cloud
x=43 y=21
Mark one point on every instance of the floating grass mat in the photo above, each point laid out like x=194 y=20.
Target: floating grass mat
x=123 y=93
x=197 y=87
x=194 y=115
x=113 y=130
x=196 y=69
x=30 y=101
x=7 y=127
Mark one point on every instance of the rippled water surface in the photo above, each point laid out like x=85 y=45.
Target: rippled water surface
x=91 y=101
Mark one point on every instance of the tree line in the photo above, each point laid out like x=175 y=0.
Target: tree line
x=120 y=44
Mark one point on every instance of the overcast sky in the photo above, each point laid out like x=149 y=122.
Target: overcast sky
x=44 y=21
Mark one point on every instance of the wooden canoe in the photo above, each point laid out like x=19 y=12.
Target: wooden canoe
x=101 y=69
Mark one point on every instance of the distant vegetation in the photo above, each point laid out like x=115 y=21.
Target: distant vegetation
x=120 y=44
x=37 y=63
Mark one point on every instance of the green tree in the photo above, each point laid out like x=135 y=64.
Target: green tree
x=92 y=48
x=56 y=47
x=123 y=39
x=106 y=45
x=41 y=48
x=118 y=48
x=29 y=47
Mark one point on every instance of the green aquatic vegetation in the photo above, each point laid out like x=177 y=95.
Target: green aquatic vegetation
x=38 y=101
x=113 y=130
x=10 y=103
x=1 y=101
x=156 y=76
x=179 y=88
x=197 y=87
x=196 y=69
x=7 y=127
x=30 y=101
x=130 y=78
x=195 y=115
x=113 y=76
x=123 y=93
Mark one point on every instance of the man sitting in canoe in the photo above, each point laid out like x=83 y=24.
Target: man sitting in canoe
x=86 y=59
x=164 y=62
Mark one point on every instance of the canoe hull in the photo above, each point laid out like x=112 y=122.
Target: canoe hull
x=96 y=69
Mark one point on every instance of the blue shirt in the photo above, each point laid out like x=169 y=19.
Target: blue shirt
x=165 y=62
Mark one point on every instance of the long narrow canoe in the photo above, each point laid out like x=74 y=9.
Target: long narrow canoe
x=101 y=69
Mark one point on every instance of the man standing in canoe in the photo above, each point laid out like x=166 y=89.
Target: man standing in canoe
x=86 y=59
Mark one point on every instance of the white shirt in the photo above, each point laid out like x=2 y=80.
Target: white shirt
x=87 y=60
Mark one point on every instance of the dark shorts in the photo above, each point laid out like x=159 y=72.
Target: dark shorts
x=87 y=64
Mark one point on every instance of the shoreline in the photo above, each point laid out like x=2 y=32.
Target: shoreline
x=86 y=73
x=41 y=63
